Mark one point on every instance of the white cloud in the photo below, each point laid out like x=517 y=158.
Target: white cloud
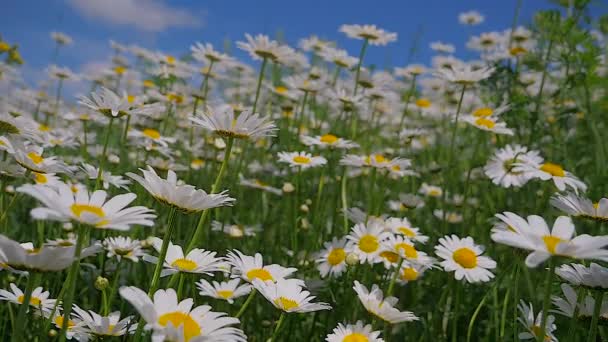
x=146 y=15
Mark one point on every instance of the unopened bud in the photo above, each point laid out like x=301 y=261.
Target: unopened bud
x=304 y=208
x=101 y=283
x=288 y=188
x=352 y=259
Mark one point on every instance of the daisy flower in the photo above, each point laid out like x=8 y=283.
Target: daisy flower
x=450 y=216
x=206 y=53
x=151 y=135
x=570 y=303
x=339 y=57
x=502 y=167
x=170 y=318
x=489 y=124
x=397 y=246
x=258 y=184
x=107 y=103
x=412 y=271
x=250 y=268
x=18 y=127
x=404 y=227
x=235 y=230
x=328 y=141
x=465 y=74
x=261 y=47
x=430 y=190
x=380 y=307
x=288 y=295
x=365 y=241
x=578 y=206
x=184 y=197
x=39 y=299
x=197 y=260
x=62 y=204
x=594 y=276
x=534 y=235
x=354 y=333
x=549 y=171
x=470 y=18
x=222 y=121
x=107 y=178
x=226 y=290
x=373 y=160
x=464 y=257
x=30 y=157
x=92 y=324
x=332 y=259
x=370 y=33
x=303 y=160
x=406 y=202
x=24 y=257
x=123 y=247
x=533 y=324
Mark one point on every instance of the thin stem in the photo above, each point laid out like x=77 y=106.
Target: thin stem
x=260 y=78
x=358 y=72
x=23 y=308
x=218 y=181
x=72 y=276
x=163 y=252
x=246 y=304
x=391 y=285
x=407 y=102
x=114 y=287
x=103 y=154
x=278 y=327
x=599 y=297
x=546 y=299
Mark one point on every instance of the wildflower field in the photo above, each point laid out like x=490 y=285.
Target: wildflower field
x=304 y=194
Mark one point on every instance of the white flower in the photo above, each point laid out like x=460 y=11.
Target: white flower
x=175 y=320
x=39 y=299
x=404 y=227
x=196 y=261
x=371 y=33
x=62 y=204
x=261 y=47
x=151 y=135
x=430 y=190
x=222 y=121
x=534 y=235
x=489 y=124
x=250 y=268
x=226 y=290
x=470 y=18
x=464 y=257
x=578 y=206
x=206 y=53
x=288 y=295
x=93 y=324
x=533 y=325
x=354 y=333
x=235 y=230
x=107 y=178
x=365 y=241
x=465 y=74
x=339 y=57
x=303 y=160
x=502 y=167
x=328 y=140
x=107 y=103
x=550 y=171
x=594 y=276
x=30 y=157
x=123 y=247
x=332 y=259
x=380 y=307
x=185 y=197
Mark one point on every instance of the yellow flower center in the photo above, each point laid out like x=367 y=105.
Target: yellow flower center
x=368 y=243
x=336 y=256
x=553 y=169
x=355 y=337
x=377 y=157
x=551 y=242
x=406 y=231
x=329 y=139
x=390 y=256
x=148 y=84
x=485 y=123
x=435 y=192
x=35 y=157
x=184 y=264
x=259 y=273
x=197 y=163
x=301 y=160
x=465 y=257
x=4 y=46
x=44 y=128
x=59 y=322
x=280 y=89
x=120 y=70
x=517 y=50
x=481 y=112
x=409 y=250
x=536 y=330
x=596 y=205
x=79 y=209
x=40 y=178
x=423 y=103
x=151 y=133
x=225 y=293
x=286 y=303
x=130 y=98
x=259 y=182
x=170 y=59
x=177 y=319
x=34 y=301
x=409 y=274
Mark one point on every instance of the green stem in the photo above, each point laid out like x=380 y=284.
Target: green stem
x=391 y=285
x=246 y=304
x=260 y=78
x=124 y=134
x=72 y=276
x=358 y=72
x=163 y=252
x=344 y=200
x=546 y=299
x=23 y=308
x=103 y=154
x=475 y=314
x=599 y=297
x=114 y=287
x=407 y=102
x=278 y=327
x=218 y=181
x=180 y=285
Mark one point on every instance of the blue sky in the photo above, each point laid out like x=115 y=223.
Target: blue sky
x=172 y=26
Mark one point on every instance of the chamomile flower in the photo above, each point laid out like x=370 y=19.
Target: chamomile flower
x=206 y=53
x=226 y=290
x=365 y=241
x=288 y=295
x=18 y=127
x=258 y=184
x=222 y=121
x=412 y=271
x=578 y=206
x=170 y=318
x=328 y=141
x=404 y=227
x=554 y=172
x=235 y=230
x=331 y=261
x=303 y=160
x=384 y=308
x=490 y=124
x=406 y=203
x=339 y=57
x=370 y=33
x=372 y=160
x=396 y=247
x=594 y=276
x=502 y=167
x=534 y=235
x=449 y=216
x=107 y=178
x=93 y=324
x=24 y=257
x=39 y=300
x=62 y=204
x=250 y=268
x=182 y=196
x=465 y=74
x=430 y=190
x=571 y=303
x=151 y=135
x=354 y=333
x=123 y=247
x=532 y=324
x=107 y=103
x=197 y=261
x=261 y=47
x=31 y=158
x=464 y=257
x=470 y=18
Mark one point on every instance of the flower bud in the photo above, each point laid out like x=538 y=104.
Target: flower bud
x=101 y=283
x=352 y=259
x=288 y=188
